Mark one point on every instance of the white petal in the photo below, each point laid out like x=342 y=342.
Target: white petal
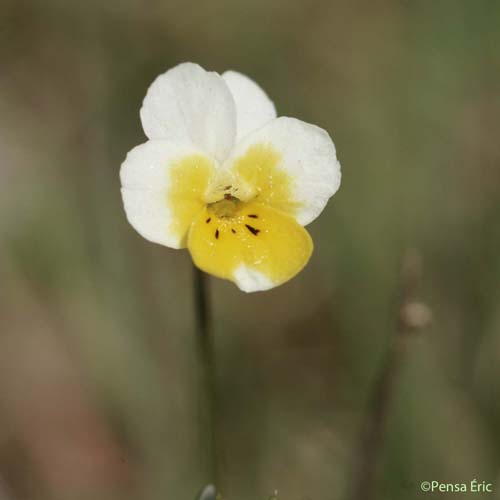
x=251 y=280
x=145 y=183
x=253 y=107
x=307 y=154
x=188 y=103
x=149 y=215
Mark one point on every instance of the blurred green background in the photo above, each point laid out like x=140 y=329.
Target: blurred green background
x=99 y=392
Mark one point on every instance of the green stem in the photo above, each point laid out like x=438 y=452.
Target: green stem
x=205 y=346
x=366 y=475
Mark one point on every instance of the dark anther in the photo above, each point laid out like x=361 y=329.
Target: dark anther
x=208 y=220
x=253 y=216
x=227 y=187
x=216 y=234
x=233 y=231
x=254 y=231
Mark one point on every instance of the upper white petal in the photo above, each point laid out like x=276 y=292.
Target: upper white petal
x=253 y=107
x=188 y=103
x=145 y=184
x=307 y=155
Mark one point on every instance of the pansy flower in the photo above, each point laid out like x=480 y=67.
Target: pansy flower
x=224 y=177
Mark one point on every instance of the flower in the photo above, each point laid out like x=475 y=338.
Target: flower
x=224 y=177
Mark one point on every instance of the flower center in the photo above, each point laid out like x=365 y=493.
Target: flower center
x=226 y=208
x=231 y=216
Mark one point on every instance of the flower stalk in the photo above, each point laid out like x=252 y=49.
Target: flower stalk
x=206 y=355
x=413 y=316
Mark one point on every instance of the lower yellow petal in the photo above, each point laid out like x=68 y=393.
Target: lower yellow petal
x=248 y=243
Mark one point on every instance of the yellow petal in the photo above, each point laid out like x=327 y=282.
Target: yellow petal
x=261 y=178
x=189 y=179
x=255 y=246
